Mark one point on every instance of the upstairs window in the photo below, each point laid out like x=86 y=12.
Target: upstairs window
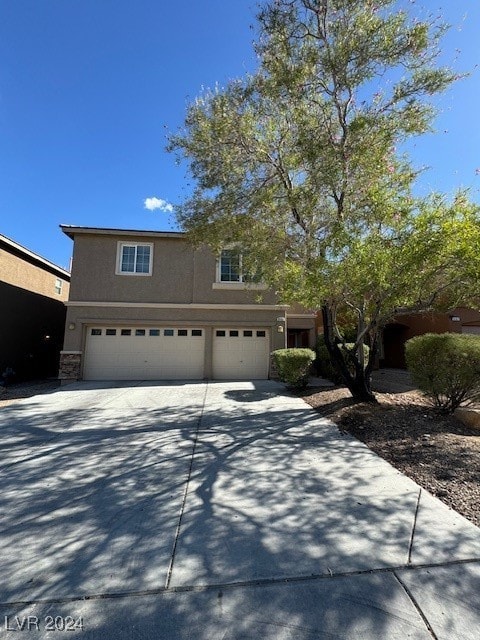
x=230 y=266
x=134 y=259
x=231 y=269
x=58 y=286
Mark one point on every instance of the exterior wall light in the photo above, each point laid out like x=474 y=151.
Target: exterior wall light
x=71 y=326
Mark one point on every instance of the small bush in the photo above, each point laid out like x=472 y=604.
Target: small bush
x=324 y=365
x=446 y=367
x=326 y=368
x=348 y=346
x=293 y=365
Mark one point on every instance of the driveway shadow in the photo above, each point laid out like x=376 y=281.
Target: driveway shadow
x=96 y=505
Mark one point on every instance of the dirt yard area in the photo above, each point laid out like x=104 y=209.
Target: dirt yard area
x=438 y=452
x=26 y=390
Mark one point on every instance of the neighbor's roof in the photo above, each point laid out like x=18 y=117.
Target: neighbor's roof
x=72 y=230
x=29 y=256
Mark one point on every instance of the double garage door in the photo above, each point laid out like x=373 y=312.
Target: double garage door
x=174 y=353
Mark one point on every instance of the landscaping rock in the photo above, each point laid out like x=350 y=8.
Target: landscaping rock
x=469 y=417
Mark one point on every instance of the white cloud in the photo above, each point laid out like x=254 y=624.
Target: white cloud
x=157 y=203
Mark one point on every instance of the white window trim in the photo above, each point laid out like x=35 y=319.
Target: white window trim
x=120 y=245
x=234 y=284
x=239 y=285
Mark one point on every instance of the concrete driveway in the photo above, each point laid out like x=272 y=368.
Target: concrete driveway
x=219 y=510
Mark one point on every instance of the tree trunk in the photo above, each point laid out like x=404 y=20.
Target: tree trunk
x=359 y=382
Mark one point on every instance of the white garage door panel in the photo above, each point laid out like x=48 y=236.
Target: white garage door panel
x=142 y=356
x=240 y=354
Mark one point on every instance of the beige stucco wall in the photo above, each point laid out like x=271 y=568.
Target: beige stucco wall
x=21 y=273
x=180 y=274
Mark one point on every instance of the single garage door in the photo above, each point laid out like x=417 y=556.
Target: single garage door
x=240 y=354
x=148 y=353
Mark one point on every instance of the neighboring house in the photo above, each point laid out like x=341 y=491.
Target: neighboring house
x=32 y=319
x=468 y=319
x=147 y=305
x=406 y=326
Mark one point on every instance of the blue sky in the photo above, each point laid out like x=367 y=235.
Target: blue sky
x=89 y=89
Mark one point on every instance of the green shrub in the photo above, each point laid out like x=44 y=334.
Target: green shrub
x=446 y=367
x=326 y=368
x=293 y=365
x=324 y=365
x=349 y=346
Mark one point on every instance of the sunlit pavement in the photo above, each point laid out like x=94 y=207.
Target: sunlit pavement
x=217 y=510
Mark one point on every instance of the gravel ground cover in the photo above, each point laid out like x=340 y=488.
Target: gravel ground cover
x=439 y=452
x=26 y=390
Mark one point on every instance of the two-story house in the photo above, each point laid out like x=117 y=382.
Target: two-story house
x=32 y=319
x=147 y=305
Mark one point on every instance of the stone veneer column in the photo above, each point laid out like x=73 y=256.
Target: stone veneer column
x=70 y=366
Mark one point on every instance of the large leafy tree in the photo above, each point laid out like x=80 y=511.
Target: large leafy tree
x=300 y=164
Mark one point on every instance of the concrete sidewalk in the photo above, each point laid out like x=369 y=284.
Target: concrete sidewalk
x=220 y=510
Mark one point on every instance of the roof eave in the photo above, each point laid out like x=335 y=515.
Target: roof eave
x=33 y=257
x=71 y=231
